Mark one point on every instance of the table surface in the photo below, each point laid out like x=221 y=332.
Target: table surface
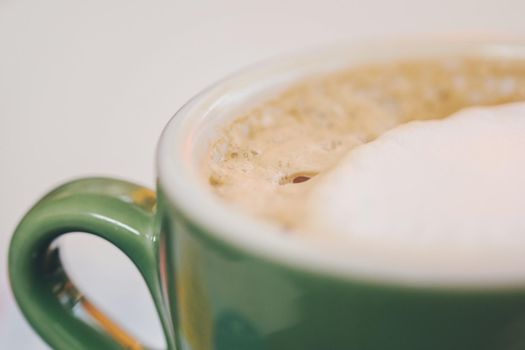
x=86 y=88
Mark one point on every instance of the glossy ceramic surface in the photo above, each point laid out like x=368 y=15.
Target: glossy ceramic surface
x=217 y=284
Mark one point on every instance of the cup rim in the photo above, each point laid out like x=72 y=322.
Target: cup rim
x=186 y=191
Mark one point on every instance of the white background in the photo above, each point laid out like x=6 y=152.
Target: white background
x=86 y=87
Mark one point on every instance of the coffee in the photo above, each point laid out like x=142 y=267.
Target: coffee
x=396 y=212
x=271 y=161
x=459 y=180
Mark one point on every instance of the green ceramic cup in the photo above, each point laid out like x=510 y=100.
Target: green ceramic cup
x=223 y=281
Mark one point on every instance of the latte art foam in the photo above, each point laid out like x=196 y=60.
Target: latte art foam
x=455 y=182
x=266 y=161
x=401 y=166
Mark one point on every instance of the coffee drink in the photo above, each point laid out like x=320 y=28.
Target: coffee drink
x=384 y=158
x=377 y=207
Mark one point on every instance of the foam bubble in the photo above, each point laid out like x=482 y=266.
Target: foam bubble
x=454 y=183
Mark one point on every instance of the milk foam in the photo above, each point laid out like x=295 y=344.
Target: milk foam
x=457 y=182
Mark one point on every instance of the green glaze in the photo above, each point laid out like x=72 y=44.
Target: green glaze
x=224 y=298
x=117 y=211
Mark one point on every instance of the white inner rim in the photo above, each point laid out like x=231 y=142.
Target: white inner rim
x=187 y=136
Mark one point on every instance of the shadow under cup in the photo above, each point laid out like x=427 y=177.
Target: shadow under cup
x=222 y=280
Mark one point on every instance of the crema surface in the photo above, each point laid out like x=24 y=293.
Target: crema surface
x=268 y=161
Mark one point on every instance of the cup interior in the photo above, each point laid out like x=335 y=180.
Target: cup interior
x=185 y=141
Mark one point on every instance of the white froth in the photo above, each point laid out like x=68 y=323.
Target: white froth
x=456 y=183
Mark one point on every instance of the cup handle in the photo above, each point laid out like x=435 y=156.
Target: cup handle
x=118 y=211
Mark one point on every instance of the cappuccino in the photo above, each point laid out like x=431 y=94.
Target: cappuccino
x=384 y=159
